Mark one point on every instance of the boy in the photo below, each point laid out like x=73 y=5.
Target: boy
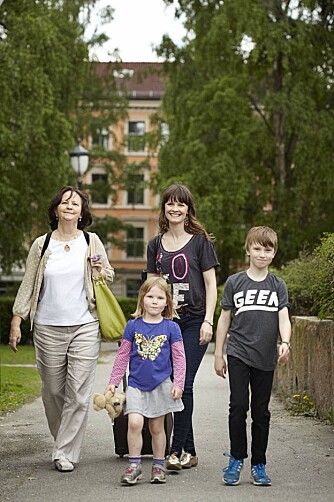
x=259 y=301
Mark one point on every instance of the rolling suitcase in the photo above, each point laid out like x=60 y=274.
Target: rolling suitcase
x=120 y=429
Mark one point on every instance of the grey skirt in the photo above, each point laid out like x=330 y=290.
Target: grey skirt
x=152 y=403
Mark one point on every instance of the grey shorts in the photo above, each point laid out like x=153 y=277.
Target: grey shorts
x=153 y=403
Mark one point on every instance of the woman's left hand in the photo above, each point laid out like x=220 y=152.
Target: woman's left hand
x=206 y=332
x=95 y=262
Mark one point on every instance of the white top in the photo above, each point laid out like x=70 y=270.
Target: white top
x=63 y=300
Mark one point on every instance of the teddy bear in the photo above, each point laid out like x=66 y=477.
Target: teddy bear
x=112 y=403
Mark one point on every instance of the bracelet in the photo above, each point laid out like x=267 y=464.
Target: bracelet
x=209 y=322
x=288 y=344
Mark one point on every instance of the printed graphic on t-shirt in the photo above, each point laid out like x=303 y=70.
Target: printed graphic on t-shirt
x=178 y=296
x=149 y=347
x=255 y=299
x=180 y=266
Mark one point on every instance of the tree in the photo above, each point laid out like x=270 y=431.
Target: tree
x=41 y=81
x=51 y=94
x=248 y=102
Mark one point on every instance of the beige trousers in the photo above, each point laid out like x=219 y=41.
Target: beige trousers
x=66 y=359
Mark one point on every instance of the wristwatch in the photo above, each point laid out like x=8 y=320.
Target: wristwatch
x=288 y=344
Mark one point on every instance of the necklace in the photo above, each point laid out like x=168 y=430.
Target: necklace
x=69 y=243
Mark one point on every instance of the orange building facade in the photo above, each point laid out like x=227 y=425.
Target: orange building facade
x=137 y=206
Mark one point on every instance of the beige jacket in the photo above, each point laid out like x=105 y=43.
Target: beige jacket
x=27 y=296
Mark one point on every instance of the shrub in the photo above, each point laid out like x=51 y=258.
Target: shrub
x=299 y=276
x=310 y=281
x=6 y=304
x=218 y=307
x=324 y=277
x=128 y=306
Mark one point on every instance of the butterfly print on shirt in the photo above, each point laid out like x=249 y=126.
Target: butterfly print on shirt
x=149 y=347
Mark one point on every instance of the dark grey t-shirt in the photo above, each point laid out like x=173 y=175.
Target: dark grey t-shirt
x=254 y=330
x=183 y=269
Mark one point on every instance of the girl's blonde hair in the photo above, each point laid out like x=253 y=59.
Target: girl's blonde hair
x=168 y=311
x=265 y=236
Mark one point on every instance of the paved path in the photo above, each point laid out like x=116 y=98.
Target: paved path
x=300 y=456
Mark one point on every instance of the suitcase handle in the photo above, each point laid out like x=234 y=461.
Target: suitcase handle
x=124 y=382
x=124 y=379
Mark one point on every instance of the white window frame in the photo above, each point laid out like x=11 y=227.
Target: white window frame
x=128 y=136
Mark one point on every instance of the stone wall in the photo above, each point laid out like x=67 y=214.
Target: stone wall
x=311 y=364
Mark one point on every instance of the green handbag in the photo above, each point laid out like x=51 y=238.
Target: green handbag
x=111 y=316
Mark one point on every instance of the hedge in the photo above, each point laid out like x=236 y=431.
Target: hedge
x=6 y=303
x=310 y=281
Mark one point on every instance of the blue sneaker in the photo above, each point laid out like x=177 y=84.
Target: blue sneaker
x=259 y=475
x=232 y=471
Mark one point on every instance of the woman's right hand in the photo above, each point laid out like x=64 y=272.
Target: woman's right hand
x=15 y=333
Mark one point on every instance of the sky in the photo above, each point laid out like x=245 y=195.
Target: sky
x=137 y=25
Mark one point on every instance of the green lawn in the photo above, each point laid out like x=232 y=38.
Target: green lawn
x=24 y=355
x=18 y=385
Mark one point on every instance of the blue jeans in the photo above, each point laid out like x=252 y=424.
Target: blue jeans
x=183 y=437
x=241 y=377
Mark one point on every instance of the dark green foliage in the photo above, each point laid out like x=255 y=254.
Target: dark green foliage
x=50 y=96
x=310 y=281
x=128 y=306
x=249 y=103
x=324 y=286
x=42 y=54
x=6 y=304
x=300 y=277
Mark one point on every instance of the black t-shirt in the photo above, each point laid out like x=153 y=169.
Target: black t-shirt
x=253 y=333
x=183 y=269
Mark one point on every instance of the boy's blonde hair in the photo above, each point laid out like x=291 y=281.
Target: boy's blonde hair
x=168 y=311
x=265 y=236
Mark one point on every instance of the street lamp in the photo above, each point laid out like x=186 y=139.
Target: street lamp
x=79 y=161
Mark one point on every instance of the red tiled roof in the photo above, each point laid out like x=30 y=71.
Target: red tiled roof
x=140 y=80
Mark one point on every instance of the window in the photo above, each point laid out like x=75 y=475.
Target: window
x=136 y=139
x=123 y=73
x=101 y=137
x=136 y=189
x=164 y=129
x=132 y=287
x=135 y=242
x=99 y=189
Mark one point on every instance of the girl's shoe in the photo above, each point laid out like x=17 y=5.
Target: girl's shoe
x=132 y=474
x=158 y=474
x=187 y=460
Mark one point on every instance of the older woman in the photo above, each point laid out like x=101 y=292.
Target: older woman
x=57 y=294
x=184 y=255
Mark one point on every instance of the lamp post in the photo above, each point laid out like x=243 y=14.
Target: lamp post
x=79 y=161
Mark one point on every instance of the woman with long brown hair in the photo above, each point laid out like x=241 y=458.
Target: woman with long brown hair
x=184 y=255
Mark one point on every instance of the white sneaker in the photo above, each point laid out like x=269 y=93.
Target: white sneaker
x=63 y=465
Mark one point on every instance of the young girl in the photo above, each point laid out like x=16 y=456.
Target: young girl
x=152 y=342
